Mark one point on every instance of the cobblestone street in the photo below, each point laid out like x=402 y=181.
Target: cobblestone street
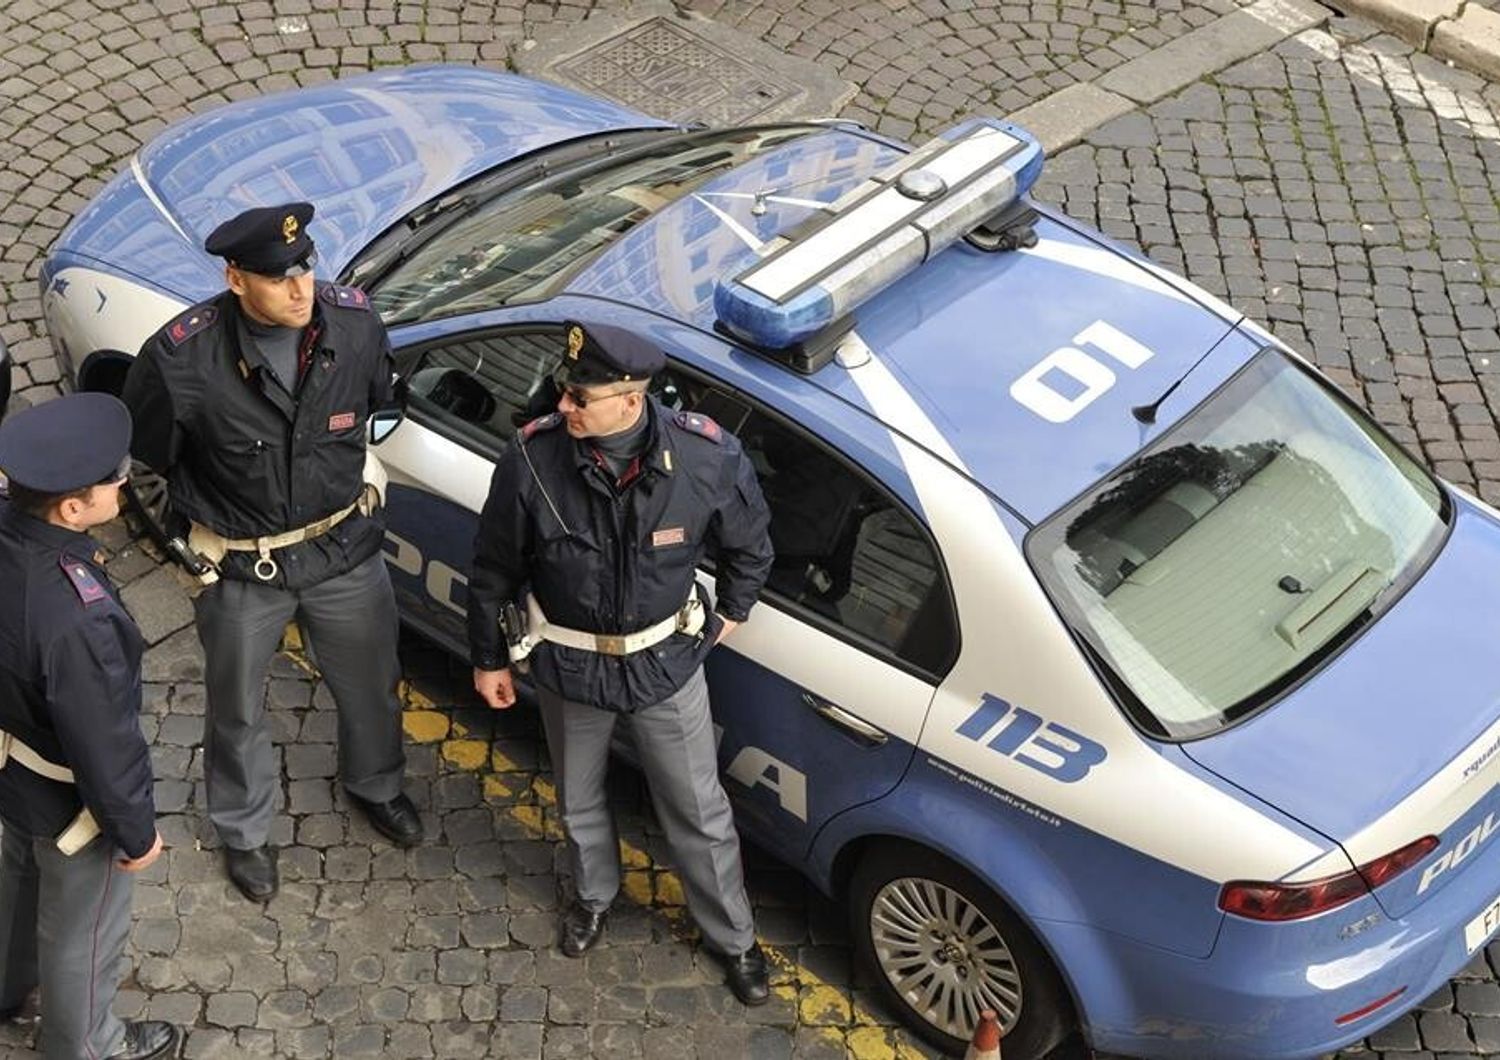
x=1339 y=187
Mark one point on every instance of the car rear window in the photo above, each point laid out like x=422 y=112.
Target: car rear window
x=1240 y=550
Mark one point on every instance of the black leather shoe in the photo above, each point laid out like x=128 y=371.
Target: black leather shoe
x=253 y=872
x=749 y=978
x=580 y=929
x=26 y=1010
x=148 y=1040
x=397 y=820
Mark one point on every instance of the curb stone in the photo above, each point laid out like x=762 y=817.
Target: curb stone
x=1457 y=31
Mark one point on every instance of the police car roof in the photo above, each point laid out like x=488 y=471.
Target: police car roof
x=958 y=331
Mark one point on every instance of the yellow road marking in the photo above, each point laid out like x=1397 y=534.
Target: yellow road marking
x=822 y=1006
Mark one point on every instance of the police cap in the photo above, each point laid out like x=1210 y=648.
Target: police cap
x=601 y=353
x=268 y=240
x=66 y=444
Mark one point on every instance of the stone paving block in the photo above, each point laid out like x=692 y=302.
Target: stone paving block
x=159 y=604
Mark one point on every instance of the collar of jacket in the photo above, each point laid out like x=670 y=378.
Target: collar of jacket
x=658 y=456
x=74 y=542
x=317 y=329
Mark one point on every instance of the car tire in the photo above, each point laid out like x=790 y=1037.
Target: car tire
x=146 y=502
x=939 y=947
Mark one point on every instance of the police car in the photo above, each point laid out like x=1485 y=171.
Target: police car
x=1115 y=670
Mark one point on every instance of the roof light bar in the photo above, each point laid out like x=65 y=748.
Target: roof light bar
x=879 y=231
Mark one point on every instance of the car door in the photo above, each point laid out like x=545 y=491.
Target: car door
x=467 y=382
x=821 y=696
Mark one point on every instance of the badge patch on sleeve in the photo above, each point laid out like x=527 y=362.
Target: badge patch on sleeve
x=672 y=535
x=84 y=583
x=341 y=421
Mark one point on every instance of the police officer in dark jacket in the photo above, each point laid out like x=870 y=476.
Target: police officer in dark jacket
x=253 y=405
x=75 y=773
x=602 y=511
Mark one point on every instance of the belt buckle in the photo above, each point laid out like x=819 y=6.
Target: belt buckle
x=609 y=643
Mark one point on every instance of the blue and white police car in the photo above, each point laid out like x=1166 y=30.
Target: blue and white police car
x=1115 y=669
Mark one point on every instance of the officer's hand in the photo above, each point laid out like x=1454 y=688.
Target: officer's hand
x=729 y=626
x=145 y=861
x=495 y=688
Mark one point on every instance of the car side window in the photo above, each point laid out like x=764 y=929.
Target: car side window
x=484 y=386
x=847 y=553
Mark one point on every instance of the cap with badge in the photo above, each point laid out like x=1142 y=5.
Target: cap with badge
x=66 y=444
x=601 y=353
x=267 y=240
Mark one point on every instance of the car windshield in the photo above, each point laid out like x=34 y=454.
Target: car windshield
x=1240 y=550
x=523 y=246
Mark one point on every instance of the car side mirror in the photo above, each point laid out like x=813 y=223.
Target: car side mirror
x=383 y=422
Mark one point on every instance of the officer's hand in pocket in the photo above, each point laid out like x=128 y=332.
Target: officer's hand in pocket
x=495 y=688
x=726 y=627
x=145 y=861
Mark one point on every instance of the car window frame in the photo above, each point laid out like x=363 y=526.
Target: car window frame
x=476 y=439
x=482 y=443
x=814 y=618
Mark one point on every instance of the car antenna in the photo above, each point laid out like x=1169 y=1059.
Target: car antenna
x=1147 y=413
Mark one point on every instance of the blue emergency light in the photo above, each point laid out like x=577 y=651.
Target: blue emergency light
x=876 y=233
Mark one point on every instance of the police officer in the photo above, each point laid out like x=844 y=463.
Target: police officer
x=253 y=405
x=604 y=509
x=75 y=773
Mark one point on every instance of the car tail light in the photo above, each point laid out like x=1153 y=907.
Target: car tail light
x=1294 y=901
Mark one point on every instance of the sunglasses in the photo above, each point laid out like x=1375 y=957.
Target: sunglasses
x=579 y=398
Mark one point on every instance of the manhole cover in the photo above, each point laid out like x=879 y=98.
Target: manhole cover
x=664 y=68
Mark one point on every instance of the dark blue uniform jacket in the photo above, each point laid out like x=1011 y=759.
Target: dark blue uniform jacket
x=70 y=686
x=245 y=458
x=611 y=558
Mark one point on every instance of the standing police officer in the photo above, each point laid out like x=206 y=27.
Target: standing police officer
x=75 y=773
x=603 y=510
x=253 y=405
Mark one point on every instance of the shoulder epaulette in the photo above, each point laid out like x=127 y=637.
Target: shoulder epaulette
x=190 y=323
x=697 y=423
x=345 y=297
x=82 y=579
x=541 y=423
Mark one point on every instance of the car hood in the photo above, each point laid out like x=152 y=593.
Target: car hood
x=1394 y=739
x=365 y=151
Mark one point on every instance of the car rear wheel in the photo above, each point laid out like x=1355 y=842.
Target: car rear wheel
x=941 y=947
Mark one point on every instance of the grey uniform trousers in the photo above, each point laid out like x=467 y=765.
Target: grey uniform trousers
x=351 y=623
x=63 y=924
x=675 y=741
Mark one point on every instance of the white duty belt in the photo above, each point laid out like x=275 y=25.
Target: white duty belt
x=210 y=546
x=688 y=619
x=84 y=828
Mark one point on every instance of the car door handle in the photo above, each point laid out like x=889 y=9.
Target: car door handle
x=860 y=729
